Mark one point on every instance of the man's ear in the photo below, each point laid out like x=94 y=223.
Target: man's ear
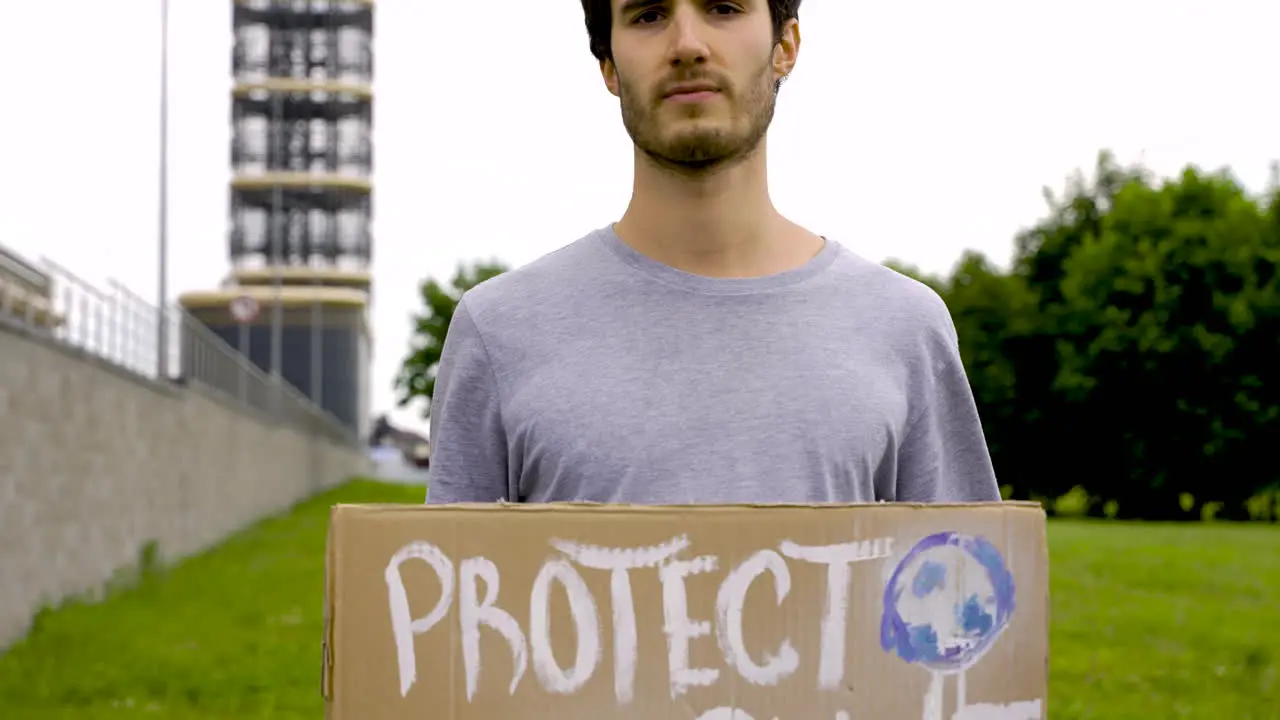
x=787 y=50
x=610 y=74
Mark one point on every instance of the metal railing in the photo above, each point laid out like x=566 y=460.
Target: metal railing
x=119 y=327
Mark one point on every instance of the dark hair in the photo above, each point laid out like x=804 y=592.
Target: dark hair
x=599 y=18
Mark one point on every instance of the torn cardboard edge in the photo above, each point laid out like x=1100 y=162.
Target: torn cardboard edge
x=335 y=568
x=691 y=508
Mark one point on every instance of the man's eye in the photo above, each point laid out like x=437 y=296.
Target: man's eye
x=647 y=16
x=725 y=7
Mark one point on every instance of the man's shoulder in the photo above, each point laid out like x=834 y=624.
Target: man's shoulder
x=896 y=297
x=539 y=282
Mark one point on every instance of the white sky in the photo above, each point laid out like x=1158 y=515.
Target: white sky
x=910 y=129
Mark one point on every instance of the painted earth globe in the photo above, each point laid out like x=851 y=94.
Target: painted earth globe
x=946 y=602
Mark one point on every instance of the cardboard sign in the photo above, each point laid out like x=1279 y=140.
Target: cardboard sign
x=559 y=612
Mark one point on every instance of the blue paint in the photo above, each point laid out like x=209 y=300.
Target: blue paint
x=1001 y=579
x=924 y=643
x=918 y=642
x=932 y=576
x=974 y=619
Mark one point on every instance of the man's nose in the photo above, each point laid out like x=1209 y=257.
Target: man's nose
x=688 y=29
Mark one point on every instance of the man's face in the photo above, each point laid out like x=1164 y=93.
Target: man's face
x=696 y=78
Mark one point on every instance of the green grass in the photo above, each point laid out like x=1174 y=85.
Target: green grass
x=1149 y=621
x=1164 y=621
x=232 y=633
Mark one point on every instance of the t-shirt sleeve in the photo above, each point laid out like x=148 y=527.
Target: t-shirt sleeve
x=468 y=440
x=944 y=455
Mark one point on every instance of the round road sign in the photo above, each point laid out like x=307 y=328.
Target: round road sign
x=244 y=309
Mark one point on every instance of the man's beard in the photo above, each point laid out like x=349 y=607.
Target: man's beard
x=704 y=149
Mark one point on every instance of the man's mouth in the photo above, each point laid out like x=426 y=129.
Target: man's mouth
x=691 y=92
x=694 y=96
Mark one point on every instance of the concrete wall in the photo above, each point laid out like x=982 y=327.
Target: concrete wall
x=96 y=462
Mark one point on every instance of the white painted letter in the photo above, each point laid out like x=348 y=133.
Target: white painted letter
x=1026 y=710
x=473 y=615
x=618 y=561
x=725 y=713
x=402 y=626
x=837 y=558
x=680 y=628
x=583 y=608
x=729 y=606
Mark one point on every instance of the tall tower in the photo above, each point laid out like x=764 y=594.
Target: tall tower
x=301 y=198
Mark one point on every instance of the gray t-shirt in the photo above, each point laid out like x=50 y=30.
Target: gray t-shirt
x=598 y=374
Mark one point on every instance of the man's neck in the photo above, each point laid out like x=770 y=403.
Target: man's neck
x=721 y=224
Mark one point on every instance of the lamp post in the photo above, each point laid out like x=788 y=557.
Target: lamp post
x=280 y=226
x=162 y=283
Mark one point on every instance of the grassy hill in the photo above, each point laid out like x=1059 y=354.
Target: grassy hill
x=1149 y=621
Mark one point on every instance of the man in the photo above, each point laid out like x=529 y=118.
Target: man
x=703 y=348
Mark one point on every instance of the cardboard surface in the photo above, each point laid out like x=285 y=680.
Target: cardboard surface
x=705 y=612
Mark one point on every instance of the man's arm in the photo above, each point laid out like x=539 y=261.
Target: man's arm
x=468 y=441
x=944 y=456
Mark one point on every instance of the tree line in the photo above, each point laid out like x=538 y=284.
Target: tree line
x=1126 y=362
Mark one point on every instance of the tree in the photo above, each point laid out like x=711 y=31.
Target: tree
x=1128 y=349
x=417 y=377
x=1167 y=316
x=999 y=327
x=1042 y=251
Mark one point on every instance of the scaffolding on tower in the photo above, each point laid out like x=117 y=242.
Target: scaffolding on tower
x=300 y=239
